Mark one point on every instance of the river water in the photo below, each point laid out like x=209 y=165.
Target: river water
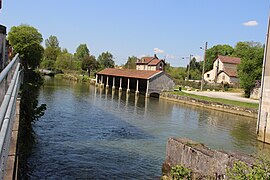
x=89 y=134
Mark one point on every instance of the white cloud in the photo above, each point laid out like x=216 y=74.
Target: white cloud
x=198 y=58
x=251 y=23
x=169 y=56
x=158 y=51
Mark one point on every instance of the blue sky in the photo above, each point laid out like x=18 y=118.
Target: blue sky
x=176 y=28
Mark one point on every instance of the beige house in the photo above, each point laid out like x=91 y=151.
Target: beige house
x=224 y=70
x=150 y=64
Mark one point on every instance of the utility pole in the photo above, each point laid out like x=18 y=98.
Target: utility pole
x=189 y=66
x=202 y=81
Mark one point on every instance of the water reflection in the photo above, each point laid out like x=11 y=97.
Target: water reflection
x=89 y=132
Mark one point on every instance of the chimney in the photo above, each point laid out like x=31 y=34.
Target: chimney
x=155 y=56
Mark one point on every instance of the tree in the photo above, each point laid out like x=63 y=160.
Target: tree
x=213 y=52
x=89 y=63
x=82 y=51
x=106 y=60
x=26 y=40
x=52 y=41
x=131 y=63
x=250 y=68
x=65 y=60
x=51 y=52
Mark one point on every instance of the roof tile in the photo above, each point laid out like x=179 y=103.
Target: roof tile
x=130 y=73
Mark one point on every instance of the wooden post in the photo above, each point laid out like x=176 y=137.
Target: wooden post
x=101 y=83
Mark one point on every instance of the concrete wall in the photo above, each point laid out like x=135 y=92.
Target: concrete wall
x=204 y=162
x=211 y=105
x=161 y=82
x=263 y=124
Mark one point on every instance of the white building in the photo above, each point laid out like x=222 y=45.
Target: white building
x=224 y=70
x=150 y=63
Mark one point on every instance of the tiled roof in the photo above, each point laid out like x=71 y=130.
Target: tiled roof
x=154 y=62
x=228 y=59
x=130 y=73
x=230 y=72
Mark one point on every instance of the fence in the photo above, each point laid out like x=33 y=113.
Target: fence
x=10 y=79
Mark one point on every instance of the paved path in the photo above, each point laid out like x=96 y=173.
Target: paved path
x=224 y=95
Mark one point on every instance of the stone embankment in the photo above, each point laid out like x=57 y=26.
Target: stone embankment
x=249 y=112
x=204 y=162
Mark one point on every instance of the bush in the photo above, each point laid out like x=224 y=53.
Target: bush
x=240 y=170
x=180 y=172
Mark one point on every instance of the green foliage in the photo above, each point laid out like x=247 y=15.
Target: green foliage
x=212 y=53
x=66 y=61
x=195 y=71
x=82 y=51
x=180 y=172
x=131 y=63
x=52 y=42
x=177 y=73
x=26 y=41
x=241 y=171
x=50 y=53
x=105 y=60
x=250 y=68
x=29 y=113
x=89 y=63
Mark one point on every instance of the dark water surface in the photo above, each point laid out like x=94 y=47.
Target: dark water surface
x=88 y=134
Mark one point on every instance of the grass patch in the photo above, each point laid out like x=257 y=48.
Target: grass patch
x=219 y=100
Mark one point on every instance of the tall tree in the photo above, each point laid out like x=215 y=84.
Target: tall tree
x=82 y=51
x=131 y=63
x=250 y=68
x=195 y=70
x=51 y=52
x=89 y=63
x=106 y=60
x=52 y=41
x=213 y=52
x=26 y=40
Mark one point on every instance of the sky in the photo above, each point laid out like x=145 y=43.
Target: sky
x=172 y=29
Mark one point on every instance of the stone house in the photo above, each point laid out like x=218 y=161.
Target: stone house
x=150 y=64
x=224 y=70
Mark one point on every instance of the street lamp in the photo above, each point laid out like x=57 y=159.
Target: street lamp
x=202 y=81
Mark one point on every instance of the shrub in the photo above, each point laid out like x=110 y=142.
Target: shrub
x=180 y=172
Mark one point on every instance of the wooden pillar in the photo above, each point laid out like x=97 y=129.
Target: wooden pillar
x=128 y=90
x=147 y=89
x=137 y=88
x=120 y=88
x=113 y=86
x=107 y=83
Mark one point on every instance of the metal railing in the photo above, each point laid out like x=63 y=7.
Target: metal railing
x=10 y=79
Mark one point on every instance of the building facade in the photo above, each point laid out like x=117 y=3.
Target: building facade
x=224 y=70
x=150 y=64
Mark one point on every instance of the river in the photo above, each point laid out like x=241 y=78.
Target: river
x=89 y=134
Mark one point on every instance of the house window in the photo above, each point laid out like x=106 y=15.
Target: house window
x=208 y=75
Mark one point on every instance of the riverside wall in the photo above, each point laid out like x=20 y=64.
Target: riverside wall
x=249 y=112
x=204 y=162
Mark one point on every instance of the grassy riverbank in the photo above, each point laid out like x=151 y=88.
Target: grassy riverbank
x=217 y=100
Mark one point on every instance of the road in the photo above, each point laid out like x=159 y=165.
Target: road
x=224 y=95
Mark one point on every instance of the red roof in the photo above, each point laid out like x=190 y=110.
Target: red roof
x=130 y=73
x=228 y=59
x=154 y=62
x=230 y=72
